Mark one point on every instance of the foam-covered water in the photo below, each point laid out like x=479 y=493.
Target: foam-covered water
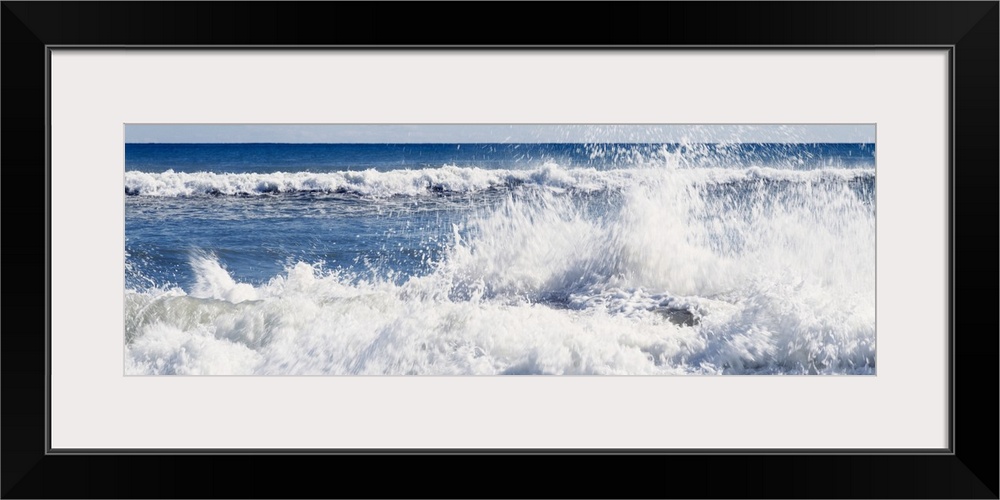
x=648 y=266
x=447 y=179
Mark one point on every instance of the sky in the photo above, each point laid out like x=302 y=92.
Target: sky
x=468 y=133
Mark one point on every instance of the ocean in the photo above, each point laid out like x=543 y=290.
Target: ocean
x=497 y=259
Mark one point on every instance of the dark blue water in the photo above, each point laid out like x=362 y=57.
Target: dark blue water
x=383 y=157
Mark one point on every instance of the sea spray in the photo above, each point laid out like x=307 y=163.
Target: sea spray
x=560 y=271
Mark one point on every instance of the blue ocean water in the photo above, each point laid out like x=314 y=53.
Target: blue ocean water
x=499 y=258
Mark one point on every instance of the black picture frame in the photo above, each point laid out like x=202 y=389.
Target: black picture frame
x=969 y=469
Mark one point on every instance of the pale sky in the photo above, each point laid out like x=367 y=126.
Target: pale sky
x=463 y=134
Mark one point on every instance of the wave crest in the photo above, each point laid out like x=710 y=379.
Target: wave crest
x=452 y=179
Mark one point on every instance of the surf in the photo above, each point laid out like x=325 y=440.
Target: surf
x=682 y=271
x=377 y=184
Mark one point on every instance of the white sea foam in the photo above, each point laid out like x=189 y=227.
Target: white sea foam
x=672 y=281
x=450 y=179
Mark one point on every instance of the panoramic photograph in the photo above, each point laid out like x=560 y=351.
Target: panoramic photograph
x=476 y=249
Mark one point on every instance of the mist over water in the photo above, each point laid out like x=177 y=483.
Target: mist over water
x=569 y=259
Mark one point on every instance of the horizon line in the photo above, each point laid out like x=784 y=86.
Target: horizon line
x=487 y=143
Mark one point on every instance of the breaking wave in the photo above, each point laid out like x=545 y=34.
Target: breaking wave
x=452 y=179
x=702 y=271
